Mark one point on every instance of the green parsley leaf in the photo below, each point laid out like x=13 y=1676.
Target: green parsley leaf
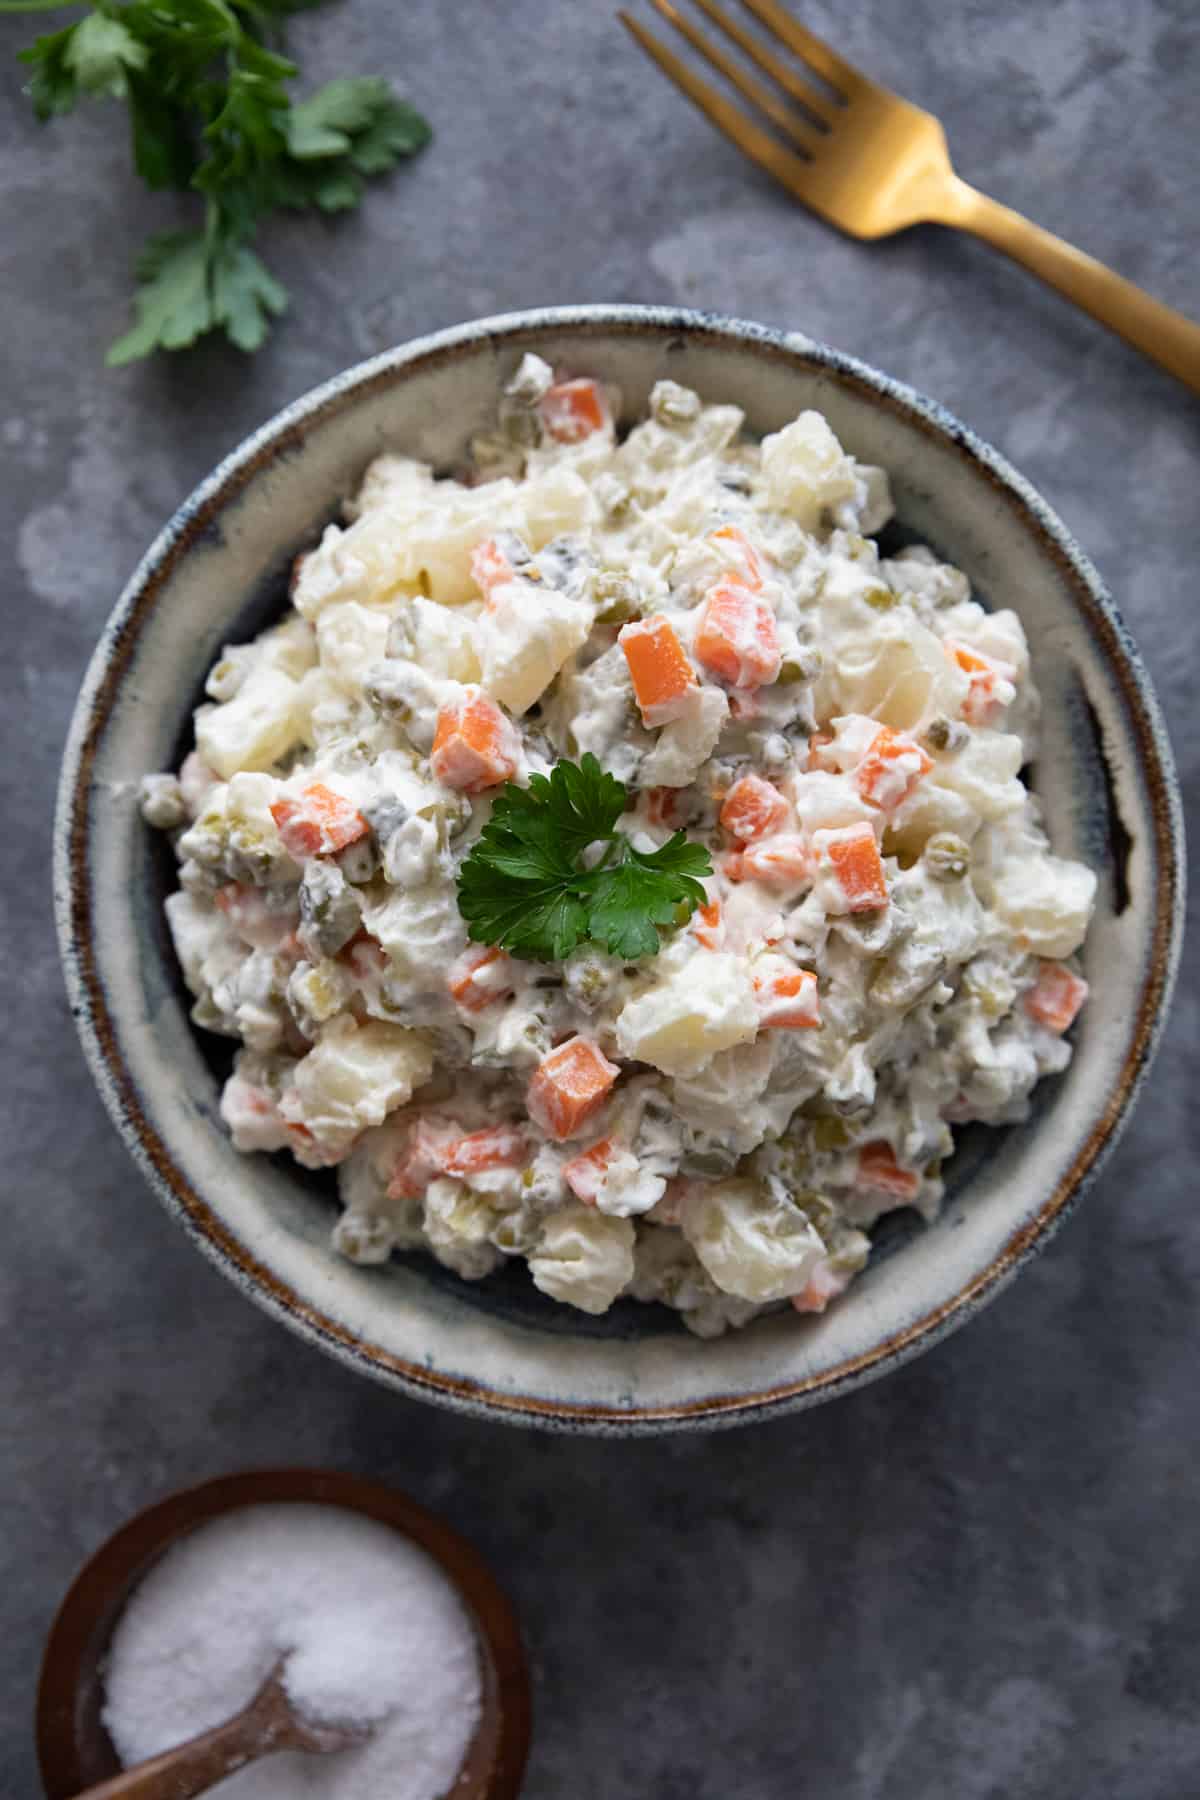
x=209 y=107
x=173 y=303
x=533 y=885
x=53 y=88
x=100 y=53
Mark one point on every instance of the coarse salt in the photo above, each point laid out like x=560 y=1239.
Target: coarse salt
x=372 y=1632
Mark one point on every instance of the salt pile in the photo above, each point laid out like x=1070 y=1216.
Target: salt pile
x=372 y=1631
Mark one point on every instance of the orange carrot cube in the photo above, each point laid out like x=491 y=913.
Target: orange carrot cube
x=879 y=1171
x=991 y=682
x=1056 y=996
x=891 y=769
x=748 y=562
x=570 y=1086
x=662 y=806
x=658 y=667
x=474 y=746
x=490 y=567
x=737 y=639
x=585 y=1172
x=823 y=1285
x=573 y=410
x=497 y=1147
x=480 y=976
x=781 y=861
x=421 y=1159
x=787 y=1001
x=707 y=925
x=753 y=808
x=850 y=874
x=319 y=823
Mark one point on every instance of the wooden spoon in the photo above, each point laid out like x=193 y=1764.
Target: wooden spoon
x=268 y=1724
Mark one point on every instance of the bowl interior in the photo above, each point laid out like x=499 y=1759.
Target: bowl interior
x=1102 y=775
x=74 y=1749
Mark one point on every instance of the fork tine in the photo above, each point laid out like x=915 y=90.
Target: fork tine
x=755 y=143
x=811 y=49
x=818 y=105
x=799 y=130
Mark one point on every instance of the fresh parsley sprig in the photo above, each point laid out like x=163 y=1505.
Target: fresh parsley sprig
x=533 y=884
x=209 y=111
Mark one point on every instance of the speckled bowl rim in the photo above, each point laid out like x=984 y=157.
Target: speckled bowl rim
x=98 y=697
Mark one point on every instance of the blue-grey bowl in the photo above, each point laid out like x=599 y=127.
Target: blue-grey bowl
x=217 y=572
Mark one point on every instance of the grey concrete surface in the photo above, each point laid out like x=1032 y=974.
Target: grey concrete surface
x=979 y=1578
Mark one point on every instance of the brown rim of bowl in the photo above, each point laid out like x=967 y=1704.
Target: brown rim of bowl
x=284 y=435
x=74 y=1750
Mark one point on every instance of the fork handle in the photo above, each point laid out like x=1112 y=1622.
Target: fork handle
x=1158 y=331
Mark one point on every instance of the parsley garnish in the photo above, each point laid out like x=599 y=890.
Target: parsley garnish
x=527 y=887
x=209 y=111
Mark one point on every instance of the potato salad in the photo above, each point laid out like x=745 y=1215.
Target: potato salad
x=614 y=860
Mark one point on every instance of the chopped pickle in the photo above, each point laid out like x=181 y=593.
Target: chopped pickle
x=880 y=599
x=829 y=1133
x=617 y=598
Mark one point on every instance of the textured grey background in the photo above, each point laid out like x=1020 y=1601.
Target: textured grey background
x=977 y=1578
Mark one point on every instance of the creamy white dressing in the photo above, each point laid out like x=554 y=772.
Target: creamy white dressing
x=870 y=969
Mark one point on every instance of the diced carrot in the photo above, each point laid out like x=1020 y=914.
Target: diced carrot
x=490 y=567
x=474 y=746
x=585 y=1172
x=991 y=682
x=421 y=1159
x=788 y=1001
x=569 y=1087
x=781 y=861
x=733 y=866
x=1056 y=996
x=816 y=744
x=707 y=926
x=749 y=562
x=573 y=410
x=879 y=1171
x=850 y=857
x=257 y=923
x=481 y=975
x=497 y=1147
x=753 y=808
x=658 y=667
x=891 y=769
x=823 y=1285
x=662 y=806
x=737 y=639
x=319 y=823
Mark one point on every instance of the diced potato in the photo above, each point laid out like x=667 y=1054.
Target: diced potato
x=806 y=469
x=254 y=729
x=584 y=1257
x=526 y=638
x=681 y=1023
x=753 y=1243
x=354 y=1077
x=1045 y=901
x=351 y=639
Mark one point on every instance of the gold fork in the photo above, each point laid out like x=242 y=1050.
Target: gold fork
x=871 y=164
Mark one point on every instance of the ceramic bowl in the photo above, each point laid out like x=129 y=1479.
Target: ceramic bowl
x=218 y=573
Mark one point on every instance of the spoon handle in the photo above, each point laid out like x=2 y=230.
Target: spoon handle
x=196 y=1766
